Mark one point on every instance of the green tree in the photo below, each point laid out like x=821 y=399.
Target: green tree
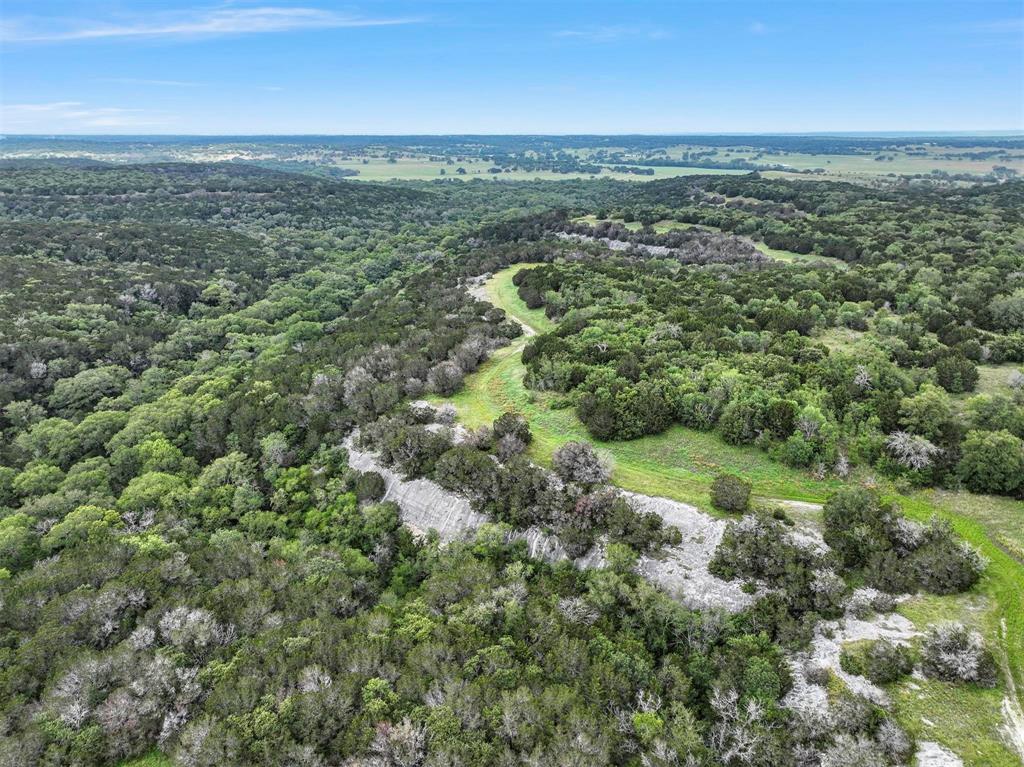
x=17 y=543
x=730 y=492
x=927 y=412
x=992 y=462
x=956 y=374
x=81 y=524
x=78 y=394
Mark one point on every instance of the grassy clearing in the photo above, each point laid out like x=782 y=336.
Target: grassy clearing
x=1002 y=518
x=502 y=292
x=797 y=258
x=925 y=609
x=680 y=464
x=868 y=165
x=995 y=379
x=933 y=710
x=965 y=719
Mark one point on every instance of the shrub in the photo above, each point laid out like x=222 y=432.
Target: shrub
x=730 y=493
x=370 y=486
x=445 y=414
x=469 y=472
x=894 y=742
x=578 y=462
x=445 y=378
x=482 y=438
x=956 y=374
x=818 y=674
x=514 y=425
x=642 y=531
x=953 y=653
x=882 y=662
x=850 y=751
x=886 y=662
x=414 y=450
x=509 y=447
x=883 y=603
x=851 y=660
x=942 y=564
x=857 y=524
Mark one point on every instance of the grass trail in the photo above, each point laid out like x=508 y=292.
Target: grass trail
x=678 y=463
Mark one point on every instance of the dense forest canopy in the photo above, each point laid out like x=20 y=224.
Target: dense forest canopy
x=934 y=289
x=189 y=564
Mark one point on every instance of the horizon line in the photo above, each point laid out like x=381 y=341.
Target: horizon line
x=882 y=133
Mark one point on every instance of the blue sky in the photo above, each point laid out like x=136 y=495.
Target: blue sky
x=521 y=66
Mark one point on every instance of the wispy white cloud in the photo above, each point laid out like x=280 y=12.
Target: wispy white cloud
x=272 y=88
x=57 y=116
x=985 y=33
x=146 y=81
x=757 y=28
x=614 y=33
x=1015 y=24
x=196 y=23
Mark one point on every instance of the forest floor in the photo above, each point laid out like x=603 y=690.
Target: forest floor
x=681 y=463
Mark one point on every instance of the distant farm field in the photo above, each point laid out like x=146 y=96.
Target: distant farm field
x=412 y=169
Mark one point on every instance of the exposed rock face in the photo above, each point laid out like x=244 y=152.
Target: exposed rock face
x=691 y=246
x=427 y=506
x=682 y=571
x=477 y=287
x=827 y=646
x=931 y=754
x=650 y=250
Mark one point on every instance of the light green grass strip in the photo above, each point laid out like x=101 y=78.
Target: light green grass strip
x=152 y=759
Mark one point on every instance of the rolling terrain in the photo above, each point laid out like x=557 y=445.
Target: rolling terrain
x=983 y=727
